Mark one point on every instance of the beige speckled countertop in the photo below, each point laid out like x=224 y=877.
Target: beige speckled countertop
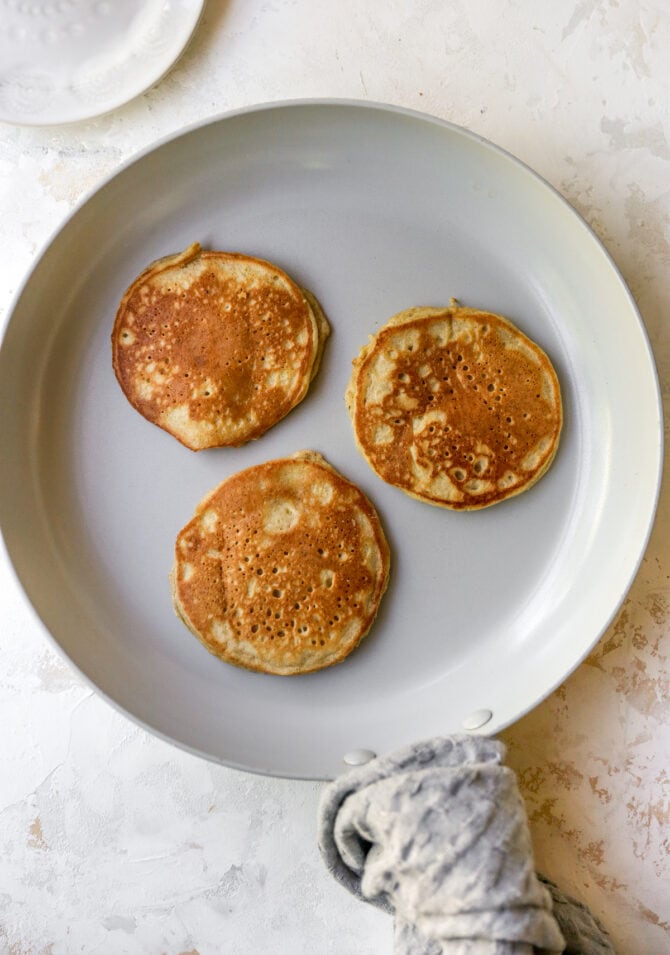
x=112 y=841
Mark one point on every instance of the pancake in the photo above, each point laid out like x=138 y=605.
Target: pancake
x=455 y=406
x=216 y=347
x=282 y=568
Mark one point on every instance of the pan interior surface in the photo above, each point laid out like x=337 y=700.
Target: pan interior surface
x=374 y=210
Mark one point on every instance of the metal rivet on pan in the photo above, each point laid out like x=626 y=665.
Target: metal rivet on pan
x=476 y=719
x=357 y=757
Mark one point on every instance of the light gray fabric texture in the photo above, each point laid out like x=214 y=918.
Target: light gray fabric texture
x=437 y=835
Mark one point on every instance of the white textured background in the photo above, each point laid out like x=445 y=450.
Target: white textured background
x=114 y=842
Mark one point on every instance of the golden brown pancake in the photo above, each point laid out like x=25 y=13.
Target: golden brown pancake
x=216 y=347
x=455 y=406
x=282 y=568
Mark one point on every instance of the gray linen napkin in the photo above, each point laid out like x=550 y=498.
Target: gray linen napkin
x=437 y=835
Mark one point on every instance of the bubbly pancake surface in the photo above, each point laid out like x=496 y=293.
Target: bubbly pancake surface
x=216 y=347
x=282 y=568
x=455 y=406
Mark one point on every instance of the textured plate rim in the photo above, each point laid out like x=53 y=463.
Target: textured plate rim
x=165 y=65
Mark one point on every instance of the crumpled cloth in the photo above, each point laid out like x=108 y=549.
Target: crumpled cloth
x=437 y=835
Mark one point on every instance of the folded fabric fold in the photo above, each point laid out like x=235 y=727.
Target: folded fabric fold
x=437 y=835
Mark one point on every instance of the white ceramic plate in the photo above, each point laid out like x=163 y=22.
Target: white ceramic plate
x=375 y=209
x=68 y=60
